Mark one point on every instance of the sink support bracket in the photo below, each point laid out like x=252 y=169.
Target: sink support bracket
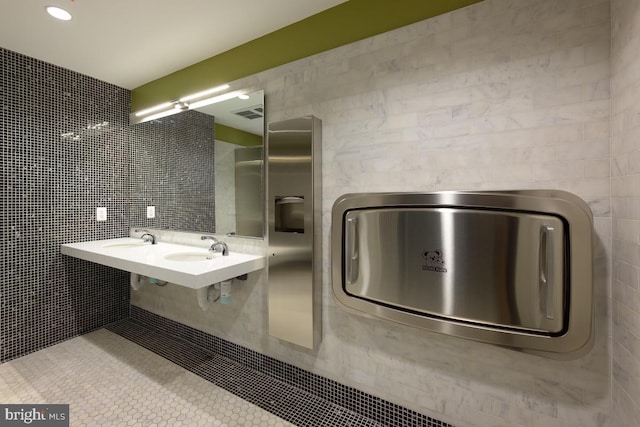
x=137 y=281
x=208 y=295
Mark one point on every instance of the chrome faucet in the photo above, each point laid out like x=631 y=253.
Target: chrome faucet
x=148 y=237
x=217 y=246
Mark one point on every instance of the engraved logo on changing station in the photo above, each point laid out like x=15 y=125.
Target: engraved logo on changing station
x=433 y=261
x=42 y=415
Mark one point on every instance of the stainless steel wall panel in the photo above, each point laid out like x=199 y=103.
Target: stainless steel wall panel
x=249 y=170
x=294 y=230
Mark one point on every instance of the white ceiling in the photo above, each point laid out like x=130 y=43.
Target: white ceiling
x=131 y=42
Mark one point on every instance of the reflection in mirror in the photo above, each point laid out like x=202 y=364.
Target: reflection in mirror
x=202 y=169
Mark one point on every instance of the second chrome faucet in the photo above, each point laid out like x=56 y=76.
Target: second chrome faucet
x=217 y=246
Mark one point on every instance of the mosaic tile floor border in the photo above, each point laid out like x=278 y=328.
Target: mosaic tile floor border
x=107 y=381
x=347 y=406
x=284 y=400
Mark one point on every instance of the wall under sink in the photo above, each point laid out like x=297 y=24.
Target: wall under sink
x=500 y=95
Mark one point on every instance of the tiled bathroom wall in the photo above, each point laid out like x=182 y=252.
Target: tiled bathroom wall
x=625 y=193
x=64 y=152
x=505 y=94
x=67 y=148
x=172 y=169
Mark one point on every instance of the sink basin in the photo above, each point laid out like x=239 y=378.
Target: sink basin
x=126 y=245
x=189 y=256
x=190 y=266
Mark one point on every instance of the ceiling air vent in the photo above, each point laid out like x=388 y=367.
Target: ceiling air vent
x=255 y=112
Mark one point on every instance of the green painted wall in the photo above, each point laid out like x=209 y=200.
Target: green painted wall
x=236 y=136
x=346 y=23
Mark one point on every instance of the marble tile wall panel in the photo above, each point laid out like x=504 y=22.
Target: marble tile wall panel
x=505 y=94
x=625 y=200
x=225 y=187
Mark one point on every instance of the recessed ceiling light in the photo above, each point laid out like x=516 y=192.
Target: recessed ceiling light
x=58 y=13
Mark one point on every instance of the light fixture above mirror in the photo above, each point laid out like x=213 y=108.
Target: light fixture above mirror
x=188 y=102
x=202 y=170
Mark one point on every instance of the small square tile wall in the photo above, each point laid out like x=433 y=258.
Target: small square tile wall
x=172 y=168
x=65 y=152
x=67 y=149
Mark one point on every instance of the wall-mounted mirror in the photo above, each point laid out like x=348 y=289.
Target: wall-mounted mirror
x=201 y=169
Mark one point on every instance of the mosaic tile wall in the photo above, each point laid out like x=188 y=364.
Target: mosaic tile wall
x=172 y=168
x=67 y=148
x=625 y=189
x=64 y=152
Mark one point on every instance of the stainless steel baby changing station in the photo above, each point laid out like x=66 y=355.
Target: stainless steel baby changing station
x=508 y=268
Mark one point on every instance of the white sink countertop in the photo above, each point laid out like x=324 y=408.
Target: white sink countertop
x=170 y=262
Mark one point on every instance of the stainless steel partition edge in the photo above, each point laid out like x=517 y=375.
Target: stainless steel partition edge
x=294 y=213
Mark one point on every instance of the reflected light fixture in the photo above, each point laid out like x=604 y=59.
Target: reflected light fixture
x=153 y=109
x=244 y=96
x=214 y=99
x=159 y=115
x=204 y=93
x=184 y=103
x=58 y=13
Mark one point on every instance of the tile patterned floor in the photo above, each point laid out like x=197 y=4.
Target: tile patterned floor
x=294 y=394
x=288 y=401
x=110 y=381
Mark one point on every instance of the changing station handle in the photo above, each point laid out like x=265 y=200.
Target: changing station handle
x=351 y=251
x=546 y=267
